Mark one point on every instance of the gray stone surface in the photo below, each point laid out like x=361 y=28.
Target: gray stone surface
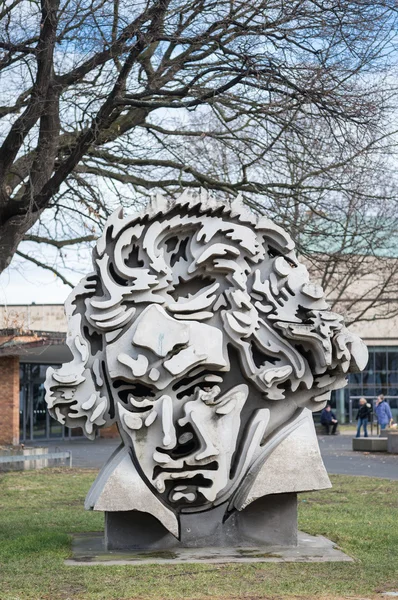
x=279 y=473
x=339 y=458
x=268 y=521
x=370 y=444
x=392 y=442
x=89 y=550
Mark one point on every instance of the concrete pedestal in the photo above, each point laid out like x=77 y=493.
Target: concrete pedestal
x=370 y=444
x=269 y=521
x=392 y=442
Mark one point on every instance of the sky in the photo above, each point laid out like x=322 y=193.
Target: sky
x=23 y=282
x=32 y=284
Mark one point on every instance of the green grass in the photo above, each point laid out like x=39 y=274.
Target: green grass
x=38 y=511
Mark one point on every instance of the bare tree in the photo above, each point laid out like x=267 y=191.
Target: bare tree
x=337 y=195
x=105 y=102
x=344 y=220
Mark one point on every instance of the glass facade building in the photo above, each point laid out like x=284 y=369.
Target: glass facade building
x=379 y=377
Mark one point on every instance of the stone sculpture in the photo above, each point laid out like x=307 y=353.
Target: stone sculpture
x=201 y=335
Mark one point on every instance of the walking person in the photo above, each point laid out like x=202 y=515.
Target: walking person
x=329 y=420
x=363 y=416
x=383 y=412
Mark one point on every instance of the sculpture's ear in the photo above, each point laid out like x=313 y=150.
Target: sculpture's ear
x=352 y=352
x=76 y=393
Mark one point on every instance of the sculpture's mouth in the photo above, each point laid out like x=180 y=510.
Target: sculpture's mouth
x=176 y=472
x=185 y=484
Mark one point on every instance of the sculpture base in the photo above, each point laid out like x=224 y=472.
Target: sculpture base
x=88 y=549
x=269 y=521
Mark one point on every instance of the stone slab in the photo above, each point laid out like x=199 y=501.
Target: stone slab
x=269 y=521
x=89 y=550
x=370 y=444
x=23 y=459
x=392 y=442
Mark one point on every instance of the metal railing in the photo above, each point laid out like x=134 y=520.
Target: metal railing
x=22 y=458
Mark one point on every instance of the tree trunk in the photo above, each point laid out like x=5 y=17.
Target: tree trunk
x=11 y=235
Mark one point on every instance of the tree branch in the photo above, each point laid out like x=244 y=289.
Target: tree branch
x=59 y=243
x=44 y=266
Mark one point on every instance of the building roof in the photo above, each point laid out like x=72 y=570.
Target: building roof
x=16 y=342
x=33 y=317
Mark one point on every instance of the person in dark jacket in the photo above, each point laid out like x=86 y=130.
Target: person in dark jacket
x=328 y=420
x=383 y=412
x=363 y=416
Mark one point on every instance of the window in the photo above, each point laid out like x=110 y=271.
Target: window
x=379 y=377
x=35 y=422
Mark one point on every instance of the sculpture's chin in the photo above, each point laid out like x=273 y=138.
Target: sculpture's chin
x=192 y=492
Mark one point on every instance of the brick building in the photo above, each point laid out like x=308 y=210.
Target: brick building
x=25 y=354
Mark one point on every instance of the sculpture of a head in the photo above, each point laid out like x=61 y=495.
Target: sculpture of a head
x=201 y=335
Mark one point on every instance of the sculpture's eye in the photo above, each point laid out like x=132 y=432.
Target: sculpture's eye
x=138 y=389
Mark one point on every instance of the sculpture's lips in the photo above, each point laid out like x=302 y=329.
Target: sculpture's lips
x=196 y=477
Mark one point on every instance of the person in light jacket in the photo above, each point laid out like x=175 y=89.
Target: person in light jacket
x=383 y=412
x=363 y=416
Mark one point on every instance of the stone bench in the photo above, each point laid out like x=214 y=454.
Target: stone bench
x=370 y=444
x=320 y=429
x=392 y=441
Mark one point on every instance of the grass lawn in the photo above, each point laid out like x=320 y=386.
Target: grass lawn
x=39 y=509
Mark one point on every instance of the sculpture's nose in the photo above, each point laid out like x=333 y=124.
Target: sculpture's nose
x=208 y=450
x=168 y=429
x=200 y=418
x=160 y=333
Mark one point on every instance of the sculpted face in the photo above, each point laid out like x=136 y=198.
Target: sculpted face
x=201 y=335
x=167 y=375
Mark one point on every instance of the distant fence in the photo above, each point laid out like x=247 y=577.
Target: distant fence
x=33 y=458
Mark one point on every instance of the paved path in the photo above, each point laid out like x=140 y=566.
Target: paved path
x=336 y=452
x=91 y=455
x=339 y=458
